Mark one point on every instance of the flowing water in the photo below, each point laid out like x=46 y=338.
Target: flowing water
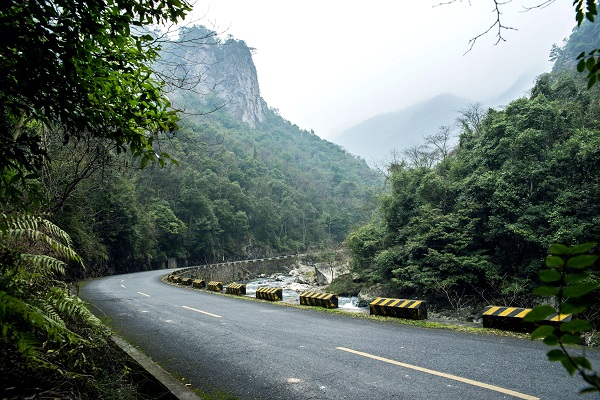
x=292 y=291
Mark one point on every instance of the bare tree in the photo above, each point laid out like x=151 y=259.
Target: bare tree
x=471 y=118
x=420 y=156
x=441 y=142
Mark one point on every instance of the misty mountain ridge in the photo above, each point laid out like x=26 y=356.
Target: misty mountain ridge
x=375 y=138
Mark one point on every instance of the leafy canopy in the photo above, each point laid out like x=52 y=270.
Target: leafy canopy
x=84 y=67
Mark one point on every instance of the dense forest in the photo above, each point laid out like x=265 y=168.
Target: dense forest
x=223 y=190
x=101 y=173
x=472 y=224
x=113 y=159
x=235 y=193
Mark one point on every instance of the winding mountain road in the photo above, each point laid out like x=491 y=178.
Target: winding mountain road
x=258 y=350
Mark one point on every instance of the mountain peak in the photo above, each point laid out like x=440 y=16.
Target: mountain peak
x=374 y=138
x=211 y=74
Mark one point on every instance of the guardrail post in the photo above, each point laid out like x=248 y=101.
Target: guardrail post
x=236 y=288
x=511 y=319
x=215 y=286
x=267 y=293
x=327 y=300
x=401 y=308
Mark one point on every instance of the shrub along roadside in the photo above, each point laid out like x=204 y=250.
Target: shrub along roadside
x=51 y=346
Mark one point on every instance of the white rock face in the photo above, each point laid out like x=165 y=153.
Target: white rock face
x=215 y=75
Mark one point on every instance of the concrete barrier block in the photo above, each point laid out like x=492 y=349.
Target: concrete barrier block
x=186 y=281
x=236 y=288
x=400 y=308
x=511 y=319
x=267 y=293
x=198 y=283
x=215 y=286
x=327 y=300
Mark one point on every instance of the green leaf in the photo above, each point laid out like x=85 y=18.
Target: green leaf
x=589 y=389
x=549 y=275
x=551 y=340
x=582 y=248
x=556 y=355
x=582 y=261
x=580 y=56
x=556 y=248
x=539 y=313
x=554 y=261
x=592 y=81
x=580 y=289
x=572 y=308
x=541 y=332
x=582 y=362
x=579 y=18
x=568 y=338
x=546 y=290
x=575 y=326
x=571 y=369
x=577 y=277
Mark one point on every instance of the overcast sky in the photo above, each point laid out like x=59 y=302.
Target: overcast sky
x=330 y=64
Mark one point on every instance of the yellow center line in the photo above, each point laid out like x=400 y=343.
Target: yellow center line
x=443 y=375
x=144 y=294
x=203 y=312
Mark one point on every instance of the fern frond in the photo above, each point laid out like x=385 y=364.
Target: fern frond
x=61 y=250
x=41 y=261
x=50 y=312
x=76 y=310
x=27 y=344
x=27 y=226
x=58 y=233
x=14 y=309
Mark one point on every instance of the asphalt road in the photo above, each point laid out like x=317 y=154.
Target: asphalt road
x=259 y=350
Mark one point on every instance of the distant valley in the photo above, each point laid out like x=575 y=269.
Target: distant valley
x=375 y=138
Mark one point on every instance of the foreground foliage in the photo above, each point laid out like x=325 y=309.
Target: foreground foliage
x=472 y=226
x=567 y=279
x=77 y=69
x=50 y=343
x=477 y=223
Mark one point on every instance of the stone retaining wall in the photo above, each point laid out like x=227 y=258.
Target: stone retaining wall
x=240 y=271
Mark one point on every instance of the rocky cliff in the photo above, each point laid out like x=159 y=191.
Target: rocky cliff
x=205 y=74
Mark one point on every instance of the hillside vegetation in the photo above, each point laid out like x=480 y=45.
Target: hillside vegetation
x=101 y=173
x=474 y=226
x=235 y=193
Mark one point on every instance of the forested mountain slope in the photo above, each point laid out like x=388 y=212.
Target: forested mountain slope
x=247 y=184
x=477 y=225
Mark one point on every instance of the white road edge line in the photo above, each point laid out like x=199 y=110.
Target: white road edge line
x=203 y=312
x=442 y=374
x=144 y=294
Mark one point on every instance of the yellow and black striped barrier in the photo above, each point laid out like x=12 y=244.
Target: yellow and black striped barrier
x=186 y=281
x=400 y=308
x=176 y=279
x=327 y=300
x=269 y=293
x=511 y=319
x=215 y=286
x=236 y=288
x=198 y=283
